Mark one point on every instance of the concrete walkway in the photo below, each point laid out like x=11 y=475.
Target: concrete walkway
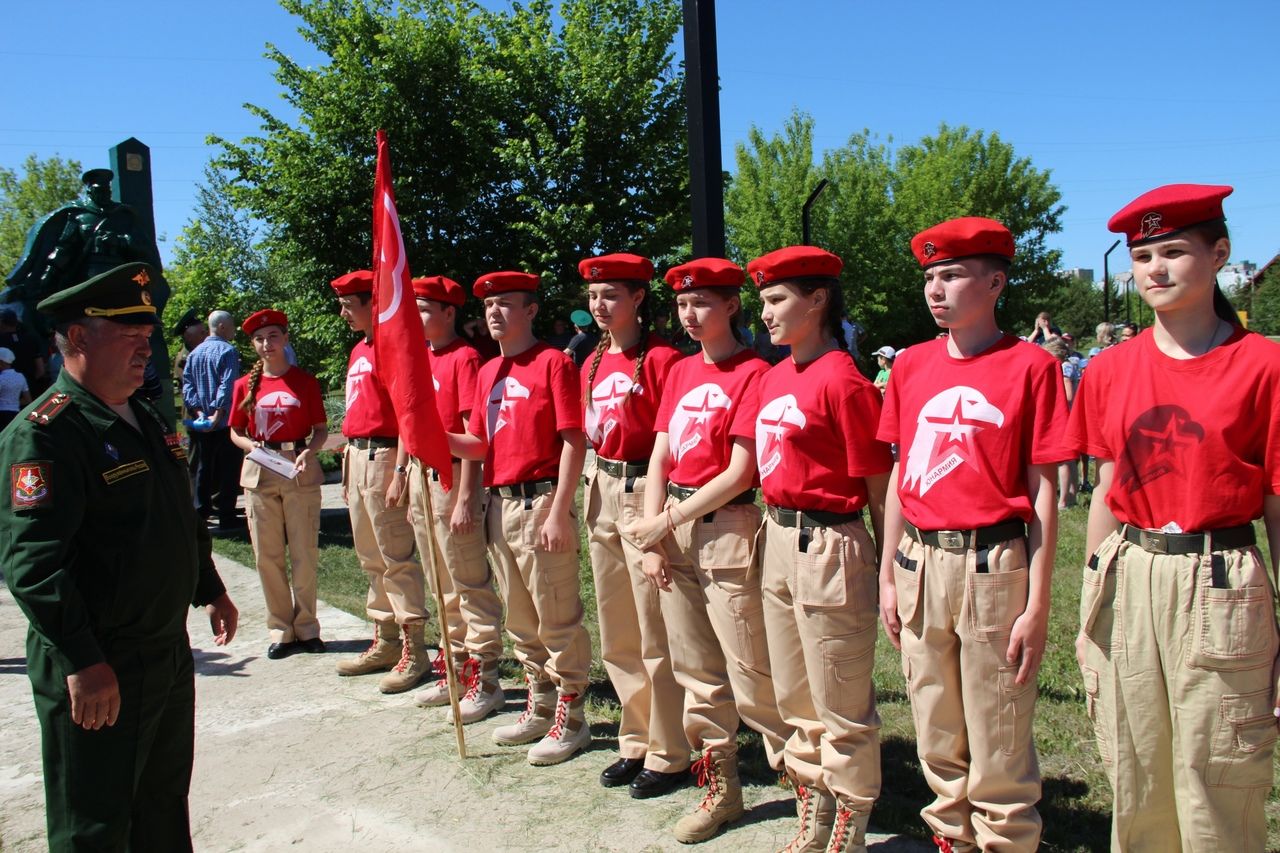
x=289 y=756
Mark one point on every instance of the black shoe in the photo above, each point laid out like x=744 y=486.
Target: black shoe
x=275 y=651
x=653 y=783
x=314 y=646
x=621 y=772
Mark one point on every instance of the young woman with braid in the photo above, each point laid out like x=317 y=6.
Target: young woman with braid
x=623 y=384
x=820 y=468
x=697 y=534
x=279 y=407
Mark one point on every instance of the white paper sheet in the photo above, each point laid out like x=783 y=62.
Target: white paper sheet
x=273 y=461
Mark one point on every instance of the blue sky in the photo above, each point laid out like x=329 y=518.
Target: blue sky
x=1113 y=98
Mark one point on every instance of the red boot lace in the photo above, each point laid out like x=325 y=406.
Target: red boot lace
x=804 y=796
x=705 y=773
x=562 y=714
x=843 y=816
x=528 y=701
x=469 y=678
x=944 y=844
x=373 y=647
x=405 y=650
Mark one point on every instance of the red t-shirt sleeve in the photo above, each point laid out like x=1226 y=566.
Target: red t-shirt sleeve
x=1271 y=447
x=475 y=423
x=1047 y=441
x=858 y=415
x=238 y=418
x=566 y=393
x=314 y=402
x=468 y=368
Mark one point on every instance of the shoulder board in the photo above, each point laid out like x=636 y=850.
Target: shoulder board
x=49 y=408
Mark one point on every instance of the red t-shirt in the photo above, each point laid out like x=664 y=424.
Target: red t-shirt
x=453 y=372
x=369 y=411
x=704 y=407
x=816 y=435
x=285 y=409
x=1196 y=442
x=521 y=404
x=967 y=428
x=620 y=426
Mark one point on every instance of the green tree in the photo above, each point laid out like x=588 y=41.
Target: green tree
x=25 y=196
x=1264 y=306
x=516 y=142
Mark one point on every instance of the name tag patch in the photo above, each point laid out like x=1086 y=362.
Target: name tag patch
x=29 y=485
x=128 y=469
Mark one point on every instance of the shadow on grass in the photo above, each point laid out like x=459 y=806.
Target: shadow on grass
x=1068 y=824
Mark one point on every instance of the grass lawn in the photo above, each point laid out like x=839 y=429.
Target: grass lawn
x=1076 y=804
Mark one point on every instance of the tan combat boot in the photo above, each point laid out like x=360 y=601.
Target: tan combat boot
x=483 y=692
x=722 y=802
x=849 y=835
x=437 y=693
x=569 y=732
x=816 y=810
x=539 y=710
x=413 y=665
x=382 y=654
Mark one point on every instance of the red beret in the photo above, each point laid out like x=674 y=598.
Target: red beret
x=794 y=262
x=705 y=272
x=491 y=284
x=619 y=267
x=265 y=317
x=962 y=238
x=1167 y=209
x=360 y=281
x=439 y=288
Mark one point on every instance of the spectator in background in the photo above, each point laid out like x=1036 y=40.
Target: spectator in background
x=1044 y=329
x=28 y=353
x=207 y=382
x=560 y=335
x=1070 y=340
x=1128 y=331
x=853 y=335
x=476 y=331
x=14 y=392
x=1068 y=484
x=1106 y=336
x=585 y=339
x=884 y=357
x=190 y=330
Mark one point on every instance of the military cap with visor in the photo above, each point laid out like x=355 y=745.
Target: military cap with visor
x=186 y=321
x=966 y=237
x=121 y=295
x=1166 y=210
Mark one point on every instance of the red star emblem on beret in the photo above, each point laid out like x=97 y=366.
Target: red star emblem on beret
x=1151 y=223
x=142 y=278
x=930 y=250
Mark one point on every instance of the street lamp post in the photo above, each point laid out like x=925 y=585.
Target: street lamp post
x=1106 y=283
x=702 y=100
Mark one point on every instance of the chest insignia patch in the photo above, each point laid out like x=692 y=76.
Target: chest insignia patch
x=174 y=442
x=110 y=450
x=29 y=485
x=128 y=469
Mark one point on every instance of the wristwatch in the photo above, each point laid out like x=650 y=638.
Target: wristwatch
x=401 y=469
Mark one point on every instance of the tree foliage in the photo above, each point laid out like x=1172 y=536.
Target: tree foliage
x=519 y=139
x=42 y=186
x=878 y=197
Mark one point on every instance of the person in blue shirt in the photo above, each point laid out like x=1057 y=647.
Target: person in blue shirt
x=207 y=379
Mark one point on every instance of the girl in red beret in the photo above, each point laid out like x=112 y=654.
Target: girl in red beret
x=697 y=534
x=820 y=468
x=623 y=383
x=278 y=407
x=1178 y=634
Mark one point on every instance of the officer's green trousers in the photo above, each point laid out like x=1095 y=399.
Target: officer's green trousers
x=122 y=787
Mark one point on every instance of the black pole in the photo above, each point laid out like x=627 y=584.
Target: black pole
x=702 y=99
x=804 y=212
x=1106 y=283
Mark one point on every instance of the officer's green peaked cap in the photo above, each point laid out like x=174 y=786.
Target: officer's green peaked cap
x=122 y=295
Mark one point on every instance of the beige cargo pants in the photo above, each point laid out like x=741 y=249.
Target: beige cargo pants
x=1180 y=687
x=973 y=723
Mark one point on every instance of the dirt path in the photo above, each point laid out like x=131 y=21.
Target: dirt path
x=289 y=756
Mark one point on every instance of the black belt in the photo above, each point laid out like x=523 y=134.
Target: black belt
x=435 y=475
x=1158 y=542
x=681 y=493
x=810 y=518
x=372 y=442
x=285 y=445
x=968 y=539
x=622 y=470
x=527 y=490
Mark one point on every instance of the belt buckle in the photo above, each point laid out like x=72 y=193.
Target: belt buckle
x=1156 y=543
x=951 y=539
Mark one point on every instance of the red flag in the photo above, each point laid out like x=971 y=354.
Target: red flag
x=398 y=340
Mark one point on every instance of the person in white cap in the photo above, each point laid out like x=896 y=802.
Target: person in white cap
x=884 y=357
x=14 y=393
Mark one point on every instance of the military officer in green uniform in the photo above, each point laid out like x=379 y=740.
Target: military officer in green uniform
x=102 y=549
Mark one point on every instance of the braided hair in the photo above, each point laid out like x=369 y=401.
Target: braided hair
x=255 y=380
x=644 y=320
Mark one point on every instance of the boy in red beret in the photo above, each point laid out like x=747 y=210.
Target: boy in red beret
x=978 y=417
x=1178 y=634
x=373 y=484
x=472 y=622
x=528 y=409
